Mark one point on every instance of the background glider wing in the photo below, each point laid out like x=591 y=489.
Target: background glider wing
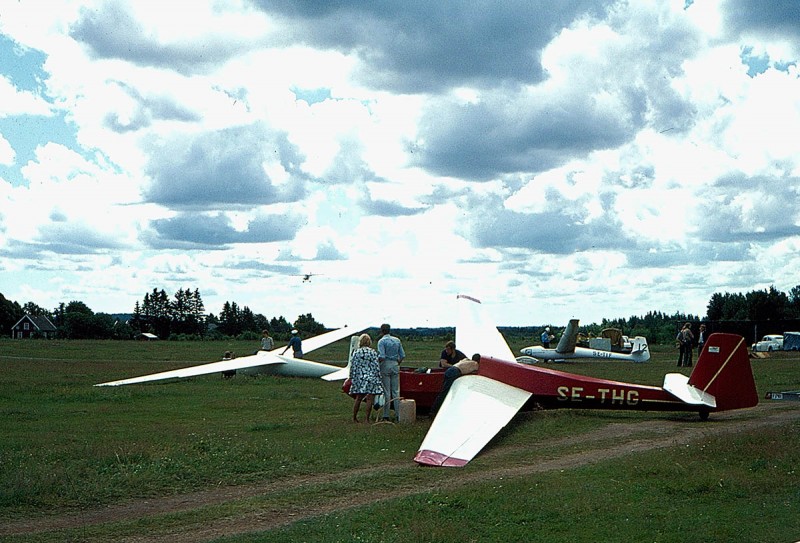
x=475 y=409
x=322 y=340
x=262 y=358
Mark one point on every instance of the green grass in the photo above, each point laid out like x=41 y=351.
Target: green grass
x=67 y=446
x=715 y=491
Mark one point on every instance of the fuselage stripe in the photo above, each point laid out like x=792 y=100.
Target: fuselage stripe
x=722 y=367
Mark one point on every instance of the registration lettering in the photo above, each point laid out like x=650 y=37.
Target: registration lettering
x=613 y=396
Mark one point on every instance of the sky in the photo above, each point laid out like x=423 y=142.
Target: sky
x=576 y=159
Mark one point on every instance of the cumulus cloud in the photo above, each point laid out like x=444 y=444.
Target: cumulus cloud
x=216 y=231
x=413 y=147
x=132 y=41
x=223 y=168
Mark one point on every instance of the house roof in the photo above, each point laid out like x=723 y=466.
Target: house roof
x=41 y=323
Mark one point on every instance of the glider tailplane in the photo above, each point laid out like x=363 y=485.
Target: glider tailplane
x=723 y=371
x=344 y=373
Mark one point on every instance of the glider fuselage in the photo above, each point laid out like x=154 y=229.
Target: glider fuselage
x=541 y=353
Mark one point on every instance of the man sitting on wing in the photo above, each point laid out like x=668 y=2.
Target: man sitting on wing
x=462 y=367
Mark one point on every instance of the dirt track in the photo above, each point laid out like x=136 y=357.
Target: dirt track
x=627 y=438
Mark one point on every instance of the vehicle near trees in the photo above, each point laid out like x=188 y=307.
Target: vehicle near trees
x=769 y=343
x=791 y=341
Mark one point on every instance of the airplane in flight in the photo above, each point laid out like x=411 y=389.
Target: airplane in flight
x=567 y=349
x=264 y=362
x=479 y=405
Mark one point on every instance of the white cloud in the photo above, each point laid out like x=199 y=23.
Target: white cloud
x=405 y=156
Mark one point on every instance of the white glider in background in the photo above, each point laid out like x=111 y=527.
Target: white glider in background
x=567 y=349
x=263 y=362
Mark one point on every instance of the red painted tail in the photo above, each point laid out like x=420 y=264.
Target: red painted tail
x=723 y=370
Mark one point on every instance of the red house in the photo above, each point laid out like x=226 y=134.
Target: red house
x=29 y=326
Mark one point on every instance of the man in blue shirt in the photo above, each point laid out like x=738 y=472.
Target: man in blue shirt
x=546 y=337
x=296 y=344
x=390 y=356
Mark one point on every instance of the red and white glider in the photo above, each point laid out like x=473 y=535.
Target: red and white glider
x=479 y=405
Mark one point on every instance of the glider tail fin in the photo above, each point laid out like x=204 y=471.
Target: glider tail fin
x=639 y=350
x=723 y=370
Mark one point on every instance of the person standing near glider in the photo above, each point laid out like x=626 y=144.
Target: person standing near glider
x=296 y=344
x=365 y=376
x=390 y=355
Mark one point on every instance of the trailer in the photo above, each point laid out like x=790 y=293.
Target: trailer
x=791 y=341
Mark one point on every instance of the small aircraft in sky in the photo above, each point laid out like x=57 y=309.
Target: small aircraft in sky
x=479 y=405
x=264 y=362
x=307 y=276
x=567 y=349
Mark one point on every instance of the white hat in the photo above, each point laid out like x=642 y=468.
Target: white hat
x=294 y=331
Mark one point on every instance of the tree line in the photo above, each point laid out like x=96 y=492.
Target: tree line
x=183 y=316
x=179 y=317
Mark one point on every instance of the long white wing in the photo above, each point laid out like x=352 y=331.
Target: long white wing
x=475 y=409
x=316 y=342
x=261 y=358
x=476 y=333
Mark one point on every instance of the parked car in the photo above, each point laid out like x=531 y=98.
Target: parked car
x=769 y=343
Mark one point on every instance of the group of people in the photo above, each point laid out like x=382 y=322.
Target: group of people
x=685 y=340
x=295 y=343
x=374 y=372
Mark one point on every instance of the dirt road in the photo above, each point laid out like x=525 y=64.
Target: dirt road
x=626 y=438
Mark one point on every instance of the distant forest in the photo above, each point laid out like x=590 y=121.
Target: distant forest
x=182 y=316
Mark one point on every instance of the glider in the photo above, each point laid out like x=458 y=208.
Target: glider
x=263 y=362
x=479 y=405
x=567 y=349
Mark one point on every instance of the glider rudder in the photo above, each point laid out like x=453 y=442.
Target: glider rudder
x=723 y=370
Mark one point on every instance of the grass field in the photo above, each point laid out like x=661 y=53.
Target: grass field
x=276 y=459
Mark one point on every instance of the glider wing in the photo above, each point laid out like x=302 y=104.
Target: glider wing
x=262 y=358
x=475 y=409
